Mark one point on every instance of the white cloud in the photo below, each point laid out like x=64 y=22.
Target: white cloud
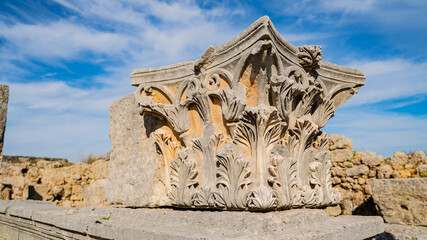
x=390 y=80
x=60 y=39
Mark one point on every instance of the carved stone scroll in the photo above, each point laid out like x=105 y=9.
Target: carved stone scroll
x=241 y=125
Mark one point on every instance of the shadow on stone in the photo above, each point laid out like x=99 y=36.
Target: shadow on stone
x=385 y=236
x=366 y=209
x=152 y=123
x=33 y=194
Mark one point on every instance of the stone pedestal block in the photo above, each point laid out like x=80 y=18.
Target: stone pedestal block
x=237 y=129
x=38 y=220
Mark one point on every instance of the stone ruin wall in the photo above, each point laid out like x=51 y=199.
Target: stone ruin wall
x=64 y=183
x=83 y=184
x=353 y=172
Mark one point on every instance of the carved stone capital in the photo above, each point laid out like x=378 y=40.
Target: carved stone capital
x=241 y=126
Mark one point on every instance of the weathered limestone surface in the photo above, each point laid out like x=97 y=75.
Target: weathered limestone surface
x=4 y=97
x=237 y=129
x=401 y=201
x=135 y=174
x=33 y=220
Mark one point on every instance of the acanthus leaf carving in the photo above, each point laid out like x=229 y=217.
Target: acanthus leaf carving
x=283 y=178
x=232 y=179
x=168 y=148
x=258 y=130
x=324 y=111
x=183 y=178
x=321 y=177
x=208 y=144
x=262 y=198
x=232 y=106
x=310 y=56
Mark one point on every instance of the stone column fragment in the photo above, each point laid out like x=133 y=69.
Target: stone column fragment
x=237 y=129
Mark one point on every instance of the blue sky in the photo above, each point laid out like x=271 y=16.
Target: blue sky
x=67 y=61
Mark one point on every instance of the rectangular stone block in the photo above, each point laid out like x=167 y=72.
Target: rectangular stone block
x=4 y=97
x=33 y=220
x=401 y=201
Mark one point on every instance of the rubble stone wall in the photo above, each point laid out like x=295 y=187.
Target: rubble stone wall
x=64 y=183
x=353 y=172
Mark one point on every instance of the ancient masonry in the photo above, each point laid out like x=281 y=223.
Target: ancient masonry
x=4 y=96
x=237 y=129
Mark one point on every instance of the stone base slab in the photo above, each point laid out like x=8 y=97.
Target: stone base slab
x=42 y=220
x=403 y=232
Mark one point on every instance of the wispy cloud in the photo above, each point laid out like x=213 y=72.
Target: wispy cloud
x=60 y=39
x=348 y=6
x=390 y=79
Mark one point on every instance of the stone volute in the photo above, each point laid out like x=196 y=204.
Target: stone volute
x=239 y=128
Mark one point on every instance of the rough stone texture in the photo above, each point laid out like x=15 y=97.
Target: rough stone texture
x=401 y=201
x=130 y=181
x=4 y=97
x=337 y=141
x=341 y=155
x=358 y=171
x=32 y=220
x=417 y=158
x=371 y=159
x=56 y=180
x=398 y=158
x=237 y=129
x=333 y=210
x=402 y=232
x=94 y=194
x=422 y=170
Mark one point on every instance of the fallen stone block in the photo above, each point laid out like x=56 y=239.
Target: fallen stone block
x=401 y=201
